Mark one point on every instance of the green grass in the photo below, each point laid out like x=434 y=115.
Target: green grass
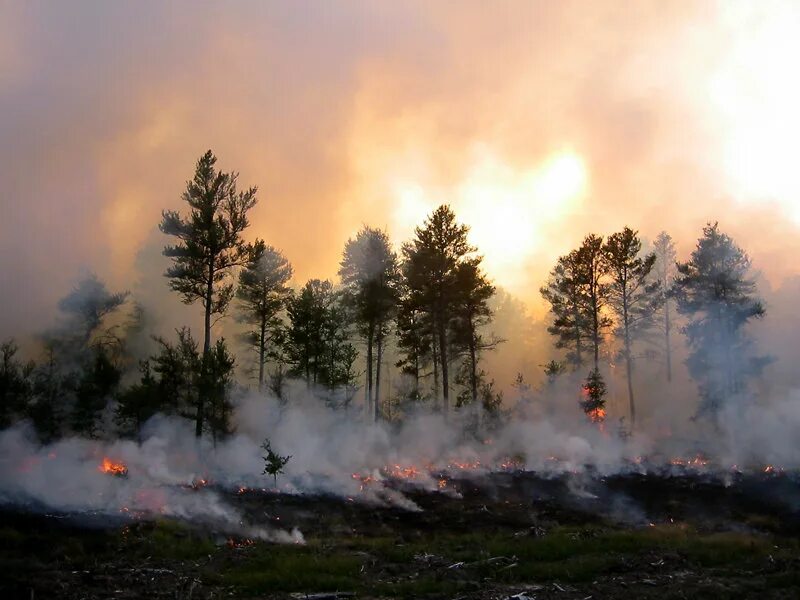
x=167 y=539
x=387 y=564
x=289 y=568
x=565 y=554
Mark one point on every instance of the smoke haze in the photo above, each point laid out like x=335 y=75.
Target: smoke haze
x=345 y=113
x=554 y=118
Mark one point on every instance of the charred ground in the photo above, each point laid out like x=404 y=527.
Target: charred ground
x=675 y=535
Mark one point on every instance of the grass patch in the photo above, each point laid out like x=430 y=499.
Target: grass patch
x=385 y=565
x=309 y=568
x=166 y=539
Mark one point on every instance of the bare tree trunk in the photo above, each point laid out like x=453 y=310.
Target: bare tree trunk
x=445 y=377
x=596 y=335
x=667 y=331
x=473 y=377
x=628 y=358
x=379 y=344
x=201 y=396
x=262 y=348
x=629 y=373
x=578 y=343
x=368 y=388
x=435 y=352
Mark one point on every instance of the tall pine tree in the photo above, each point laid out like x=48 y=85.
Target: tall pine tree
x=209 y=246
x=632 y=296
x=472 y=312
x=430 y=265
x=262 y=295
x=716 y=292
x=370 y=275
x=665 y=274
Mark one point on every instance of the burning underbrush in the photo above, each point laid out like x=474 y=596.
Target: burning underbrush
x=346 y=485
x=477 y=519
x=495 y=534
x=172 y=474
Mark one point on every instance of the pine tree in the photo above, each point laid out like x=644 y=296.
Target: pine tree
x=429 y=269
x=307 y=311
x=273 y=462
x=209 y=246
x=137 y=403
x=594 y=392
x=471 y=312
x=716 y=292
x=94 y=388
x=564 y=292
x=415 y=340
x=262 y=295
x=632 y=297
x=219 y=374
x=86 y=307
x=317 y=341
x=370 y=275
x=578 y=296
x=665 y=273
x=177 y=368
x=594 y=291
x=46 y=409
x=16 y=384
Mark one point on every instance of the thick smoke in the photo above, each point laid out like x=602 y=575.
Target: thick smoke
x=332 y=451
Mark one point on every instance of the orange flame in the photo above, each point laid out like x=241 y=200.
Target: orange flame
x=598 y=415
x=402 y=472
x=697 y=461
x=112 y=468
x=365 y=480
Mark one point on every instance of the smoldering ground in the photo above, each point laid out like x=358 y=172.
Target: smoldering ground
x=333 y=452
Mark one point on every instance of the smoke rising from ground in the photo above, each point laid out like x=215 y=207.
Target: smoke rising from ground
x=335 y=113
x=333 y=452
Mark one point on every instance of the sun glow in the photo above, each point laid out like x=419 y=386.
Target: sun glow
x=755 y=91
x=508 y=209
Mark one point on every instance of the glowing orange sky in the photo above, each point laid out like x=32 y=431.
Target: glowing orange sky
x=537 y=121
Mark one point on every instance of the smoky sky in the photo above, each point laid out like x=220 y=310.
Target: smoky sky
x=105 y=107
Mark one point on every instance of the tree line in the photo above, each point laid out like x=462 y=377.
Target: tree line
x=430 y=301
x=609 y=291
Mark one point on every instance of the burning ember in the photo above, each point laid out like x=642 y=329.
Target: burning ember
x=598 y=415
x=239 y=543
x=464 y=466
x=366 y=480
x=117 y=469
x=512 y=464
x=401 y=472
x=200 y=483
x=697 y=461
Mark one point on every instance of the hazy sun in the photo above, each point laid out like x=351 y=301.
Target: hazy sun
x=755 y=91
x=506 y=208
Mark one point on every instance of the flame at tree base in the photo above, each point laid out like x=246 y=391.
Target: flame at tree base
x=112 y=468
x=597 y=415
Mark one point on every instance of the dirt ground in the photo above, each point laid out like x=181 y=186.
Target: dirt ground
x=490 y=536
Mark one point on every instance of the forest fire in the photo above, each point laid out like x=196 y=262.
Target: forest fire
x=698 y=461
x=200 y=482
x=598 y=415
x=117 y=469
x=238 y=543
x=364 y=480
x=464 y=465
x=401 y=472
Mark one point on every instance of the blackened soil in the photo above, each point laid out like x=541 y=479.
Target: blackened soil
x=675 y=535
